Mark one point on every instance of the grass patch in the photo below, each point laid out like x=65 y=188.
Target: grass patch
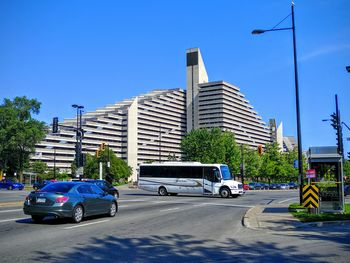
x=302 y=214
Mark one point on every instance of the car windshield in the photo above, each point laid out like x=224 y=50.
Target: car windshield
x=226 y=175
x=57 y=187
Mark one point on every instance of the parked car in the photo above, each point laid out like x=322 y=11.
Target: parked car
x=293 y=185
x=254 y=186
x=75 y=200
x=10 y=185
x=284 y=186
x=274 y=186
x=105 y=186
x=246 y=187
x=41 y=184
x=265 y=186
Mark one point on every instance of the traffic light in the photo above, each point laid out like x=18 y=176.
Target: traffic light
x=103 y=146
x=334 y=121
x=349 y=156
x=83 y=159
x=98 y=152
x=260 y=149
x=55 y=125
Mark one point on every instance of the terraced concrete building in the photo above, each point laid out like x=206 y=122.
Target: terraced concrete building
x=150 y=127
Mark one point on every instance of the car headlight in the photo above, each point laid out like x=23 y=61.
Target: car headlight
x=233 y=187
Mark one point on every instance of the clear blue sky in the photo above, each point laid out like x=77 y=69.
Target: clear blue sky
x=95 y=53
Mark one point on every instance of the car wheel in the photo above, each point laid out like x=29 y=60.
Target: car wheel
x=113 y=209
x=37 y=219
x=162 y=191
x=225 y=192
x=78 y=214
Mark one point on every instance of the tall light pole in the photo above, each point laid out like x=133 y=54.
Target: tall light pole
x=300 y=153
x=79 y=136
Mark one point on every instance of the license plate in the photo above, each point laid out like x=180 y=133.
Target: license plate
x=41 y=200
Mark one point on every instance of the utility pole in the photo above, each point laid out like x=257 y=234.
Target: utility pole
x=242 y=164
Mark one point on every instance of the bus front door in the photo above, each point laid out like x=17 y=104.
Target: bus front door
x=209 y=178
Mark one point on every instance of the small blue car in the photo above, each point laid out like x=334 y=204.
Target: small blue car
x=10 y=185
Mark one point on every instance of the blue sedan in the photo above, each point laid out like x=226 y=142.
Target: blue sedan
x=10 y=185
x=74 y=200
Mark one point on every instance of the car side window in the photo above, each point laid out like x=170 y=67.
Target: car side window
x=84 y=189
x=96 y=190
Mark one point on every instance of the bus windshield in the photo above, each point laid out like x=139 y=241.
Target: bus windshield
x=226 y=175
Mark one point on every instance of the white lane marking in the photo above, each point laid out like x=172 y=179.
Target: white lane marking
x=170 y=209
x=87 y=224
x=119 y=206
x=140 y=200
x=13 y=219
x=12 y=210
x=246 y=206
x=280 y=202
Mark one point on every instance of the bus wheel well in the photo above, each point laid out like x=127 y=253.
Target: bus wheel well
x=225 y=192
x=162 y=191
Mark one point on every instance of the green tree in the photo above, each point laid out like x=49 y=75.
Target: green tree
x=19 y=132
x=252 y=163
x=347 y=170
x=211 y=146
x=119 y=170
x=39 y=168
x=273 y=165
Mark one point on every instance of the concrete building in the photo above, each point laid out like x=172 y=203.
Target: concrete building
x=289 y=143
x=276 y=133
x=150 y=127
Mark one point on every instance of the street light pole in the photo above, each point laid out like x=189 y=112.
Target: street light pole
x=79 y=136
x=300 y=153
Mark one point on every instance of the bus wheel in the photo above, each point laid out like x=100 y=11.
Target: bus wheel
x=225 y=192
x=162 y=191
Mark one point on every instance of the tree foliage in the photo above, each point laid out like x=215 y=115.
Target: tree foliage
x=119 y=170
x=216 y=146
x=211 y=146
x=19 y=132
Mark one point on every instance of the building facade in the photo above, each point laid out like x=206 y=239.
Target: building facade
x=150 y=127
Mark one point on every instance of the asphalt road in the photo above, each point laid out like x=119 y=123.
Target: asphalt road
x=149 y=228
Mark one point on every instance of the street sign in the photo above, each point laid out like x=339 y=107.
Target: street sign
x=310 y=196
x=296 y=166
x=311 y=173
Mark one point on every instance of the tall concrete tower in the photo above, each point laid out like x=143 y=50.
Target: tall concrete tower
x=195 y=75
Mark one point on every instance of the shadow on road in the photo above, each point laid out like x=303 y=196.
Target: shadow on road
x=177 y=248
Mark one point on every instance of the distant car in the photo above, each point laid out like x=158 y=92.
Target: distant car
x=284 y=186
x=39 y=185
x=246 y=187
x=293 y=185
x=255 y=186
x=75 y=200
x=265 y=186
x=105 y=186
x=273 y=186
x=10 y=185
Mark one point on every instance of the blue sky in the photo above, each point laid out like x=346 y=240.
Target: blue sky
x=96 y=53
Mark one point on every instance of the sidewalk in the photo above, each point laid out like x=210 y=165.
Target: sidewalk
x=275 y=217
x=270 y=217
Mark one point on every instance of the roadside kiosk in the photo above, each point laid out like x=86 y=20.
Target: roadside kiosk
x=327 y=163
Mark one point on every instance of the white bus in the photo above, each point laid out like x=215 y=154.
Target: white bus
x=188 y=177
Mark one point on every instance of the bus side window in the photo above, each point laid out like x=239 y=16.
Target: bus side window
x=211 y=174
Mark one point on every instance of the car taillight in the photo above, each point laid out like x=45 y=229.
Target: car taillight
x=62 y=199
